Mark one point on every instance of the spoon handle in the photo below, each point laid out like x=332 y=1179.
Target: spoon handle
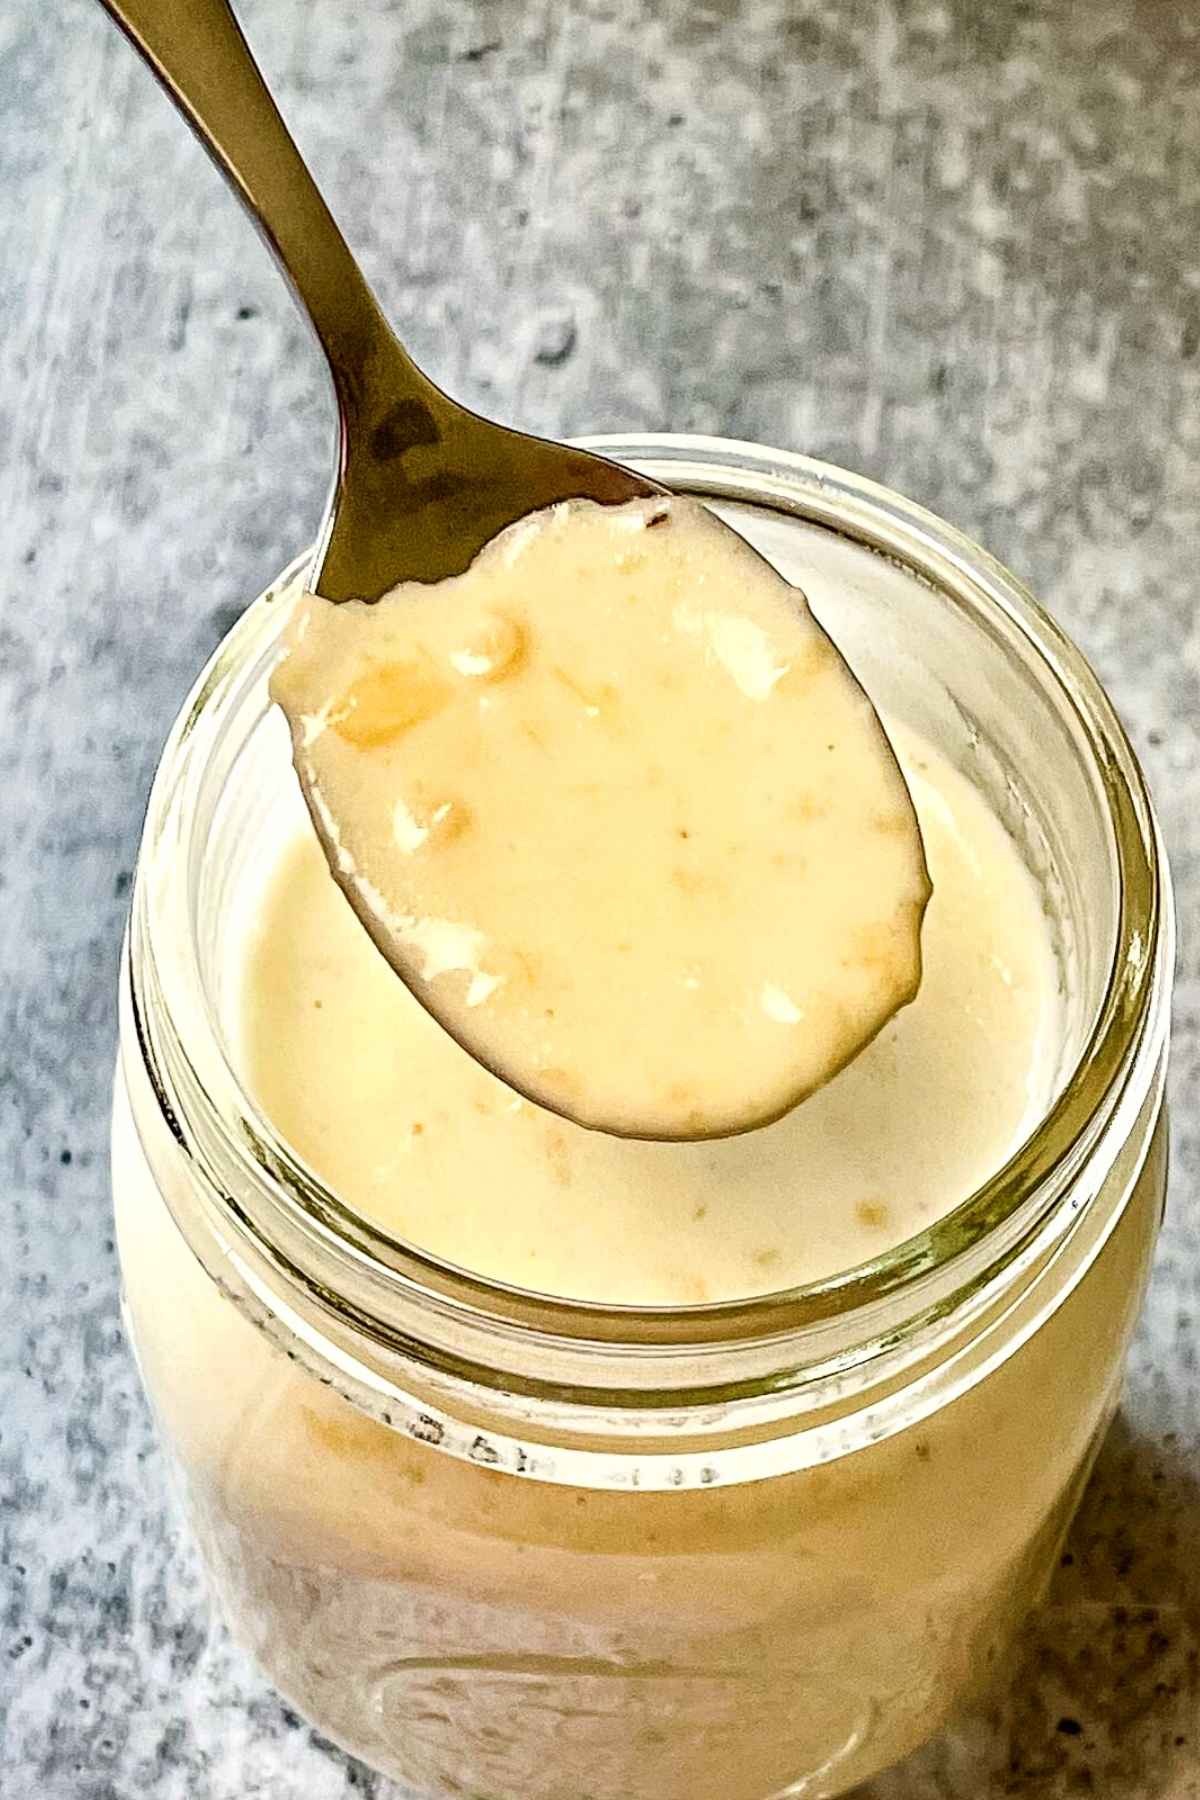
x=421 y=484
x=197 y=50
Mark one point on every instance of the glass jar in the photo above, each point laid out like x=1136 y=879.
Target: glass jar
x=518 y=1548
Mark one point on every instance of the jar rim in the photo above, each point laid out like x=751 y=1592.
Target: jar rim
x=300 y=1215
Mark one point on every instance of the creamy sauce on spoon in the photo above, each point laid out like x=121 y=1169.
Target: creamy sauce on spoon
x=618 y=812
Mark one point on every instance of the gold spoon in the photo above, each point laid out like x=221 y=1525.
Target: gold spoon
x=421 y=484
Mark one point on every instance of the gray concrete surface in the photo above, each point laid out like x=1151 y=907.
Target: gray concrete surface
x=954 y=245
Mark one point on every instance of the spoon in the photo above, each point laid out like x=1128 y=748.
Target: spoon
x=422 y=486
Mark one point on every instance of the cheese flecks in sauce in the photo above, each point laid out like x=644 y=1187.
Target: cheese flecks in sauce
x=616 y=809
x=415 y=1135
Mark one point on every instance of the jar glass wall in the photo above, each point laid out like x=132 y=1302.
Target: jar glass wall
x=500 y=1544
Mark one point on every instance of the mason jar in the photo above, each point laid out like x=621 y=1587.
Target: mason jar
x=509 y=1546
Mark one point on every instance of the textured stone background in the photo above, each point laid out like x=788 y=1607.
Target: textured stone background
x=955 y=244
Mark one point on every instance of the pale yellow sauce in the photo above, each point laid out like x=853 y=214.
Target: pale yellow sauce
x=617 y=810
x=415 y=1134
